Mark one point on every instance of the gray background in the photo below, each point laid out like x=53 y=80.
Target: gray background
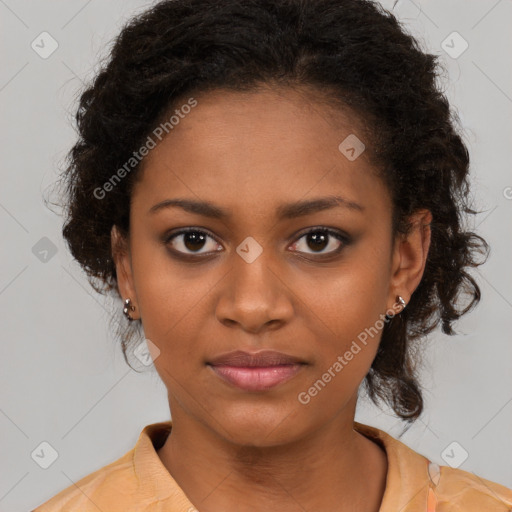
x=63 y=379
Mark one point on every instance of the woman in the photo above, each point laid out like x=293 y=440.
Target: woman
x=276 y=191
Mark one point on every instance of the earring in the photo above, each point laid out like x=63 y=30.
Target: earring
x=401 y=301
x=128 y=307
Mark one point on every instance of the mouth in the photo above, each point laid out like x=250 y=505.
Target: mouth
x=256 y=371
x=256 y=378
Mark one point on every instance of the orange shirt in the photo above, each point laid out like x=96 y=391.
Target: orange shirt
x=138 y=481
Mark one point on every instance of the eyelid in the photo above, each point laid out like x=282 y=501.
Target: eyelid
x=189 y=229
x=336 y=233
x=168 y=237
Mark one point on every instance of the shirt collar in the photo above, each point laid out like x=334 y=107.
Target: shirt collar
x=407 y=480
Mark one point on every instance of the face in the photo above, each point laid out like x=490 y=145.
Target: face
x=305 y=281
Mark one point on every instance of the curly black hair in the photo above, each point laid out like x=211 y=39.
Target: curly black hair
x=350 y=52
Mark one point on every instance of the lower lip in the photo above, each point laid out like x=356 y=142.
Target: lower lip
x=257 y=378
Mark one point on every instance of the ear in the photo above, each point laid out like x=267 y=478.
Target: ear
x=122 y=259
x=410 y=256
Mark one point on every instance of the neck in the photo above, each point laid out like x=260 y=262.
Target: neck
x=334 y=468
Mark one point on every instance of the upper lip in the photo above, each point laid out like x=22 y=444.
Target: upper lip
x=262 y=358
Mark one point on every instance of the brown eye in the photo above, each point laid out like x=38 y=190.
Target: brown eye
x=318 y=240
x=191 y=241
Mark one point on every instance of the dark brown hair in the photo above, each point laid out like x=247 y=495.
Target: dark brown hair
x=353 y=51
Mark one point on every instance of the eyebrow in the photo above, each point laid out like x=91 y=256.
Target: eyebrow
x=283 y=212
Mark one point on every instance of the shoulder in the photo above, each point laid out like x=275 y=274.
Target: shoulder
x=465 y=491
x=415 y=483
x=109 y=486
x=136 y=481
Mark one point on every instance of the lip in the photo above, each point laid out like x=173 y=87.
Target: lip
x=256 y=371
x=263 y=358
x=254 y=378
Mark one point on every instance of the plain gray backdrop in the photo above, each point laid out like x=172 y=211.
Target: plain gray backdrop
x=63 y=379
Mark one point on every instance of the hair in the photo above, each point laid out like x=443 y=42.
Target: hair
x=351 y=52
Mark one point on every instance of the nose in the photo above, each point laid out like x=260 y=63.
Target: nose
x=254 y=297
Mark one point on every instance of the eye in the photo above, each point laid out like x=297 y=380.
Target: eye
x=322 y=238
x=192 y=239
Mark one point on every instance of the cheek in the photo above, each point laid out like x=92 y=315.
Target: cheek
x=352 y=296
x=347 y=329
x=173 y=314
x=346 y=315
x=169 y=298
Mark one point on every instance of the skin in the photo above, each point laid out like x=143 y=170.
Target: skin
x=231 y=449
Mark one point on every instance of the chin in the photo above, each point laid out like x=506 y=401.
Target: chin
x=259 y=425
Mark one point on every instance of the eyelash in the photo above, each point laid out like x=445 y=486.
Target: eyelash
x=343 y=238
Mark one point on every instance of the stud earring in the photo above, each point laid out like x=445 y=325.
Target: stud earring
x=128 y=307
x=401 y=301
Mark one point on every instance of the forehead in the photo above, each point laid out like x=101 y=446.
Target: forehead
x=248 y=151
